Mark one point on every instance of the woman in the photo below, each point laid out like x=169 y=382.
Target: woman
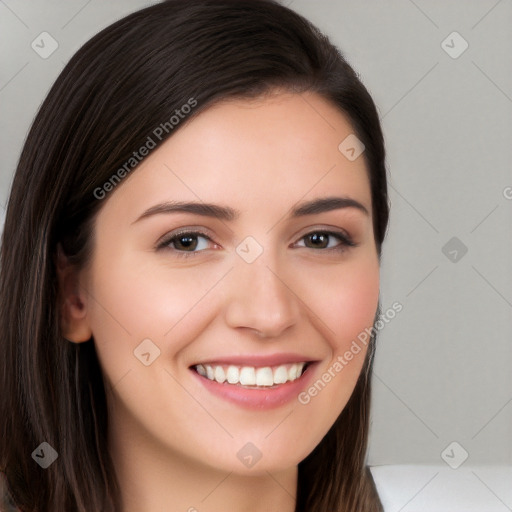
x=190 y=261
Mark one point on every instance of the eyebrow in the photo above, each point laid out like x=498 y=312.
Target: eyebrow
x=226 y=213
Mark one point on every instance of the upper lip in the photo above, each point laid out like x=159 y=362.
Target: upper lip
x=257 y=360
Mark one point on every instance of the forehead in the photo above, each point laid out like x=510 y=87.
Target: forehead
x=259 y=153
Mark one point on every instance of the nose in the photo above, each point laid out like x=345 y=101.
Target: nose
x=260 y=299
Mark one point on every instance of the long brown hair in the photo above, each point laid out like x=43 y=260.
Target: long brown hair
x=122 y=84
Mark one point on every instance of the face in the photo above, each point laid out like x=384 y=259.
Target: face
x=248 y=290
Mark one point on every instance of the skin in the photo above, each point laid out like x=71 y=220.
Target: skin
x=173 y=443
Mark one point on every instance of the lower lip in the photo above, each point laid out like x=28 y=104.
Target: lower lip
x=263 y=398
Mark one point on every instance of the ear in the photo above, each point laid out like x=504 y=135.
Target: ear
x=72 y=302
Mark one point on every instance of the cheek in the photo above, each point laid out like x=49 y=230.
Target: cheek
x=132 y=302
x=346 y=300
x=357 y=303
x=347 y=303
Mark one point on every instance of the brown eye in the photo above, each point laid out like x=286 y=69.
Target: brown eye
x=318 y=240
x=327 y=240
x=186 y=242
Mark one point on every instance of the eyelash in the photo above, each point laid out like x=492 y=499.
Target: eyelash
x=345 y=242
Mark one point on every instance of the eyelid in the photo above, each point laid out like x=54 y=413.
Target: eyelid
x=325 y=228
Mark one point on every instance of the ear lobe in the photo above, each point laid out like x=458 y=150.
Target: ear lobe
x=74 y=324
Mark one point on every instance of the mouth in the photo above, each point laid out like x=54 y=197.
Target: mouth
x=256 y=382
x=252 y=377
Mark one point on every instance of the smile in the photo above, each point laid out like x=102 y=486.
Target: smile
x=251 y=376
x=256 y=382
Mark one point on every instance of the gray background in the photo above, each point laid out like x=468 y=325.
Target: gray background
x=443 y=370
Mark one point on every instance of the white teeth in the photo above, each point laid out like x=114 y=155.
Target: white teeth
x=251 y=376
x=232 y=374
x=264 y=376
x=280 y=375
x=220 y=376
x=248 y=376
